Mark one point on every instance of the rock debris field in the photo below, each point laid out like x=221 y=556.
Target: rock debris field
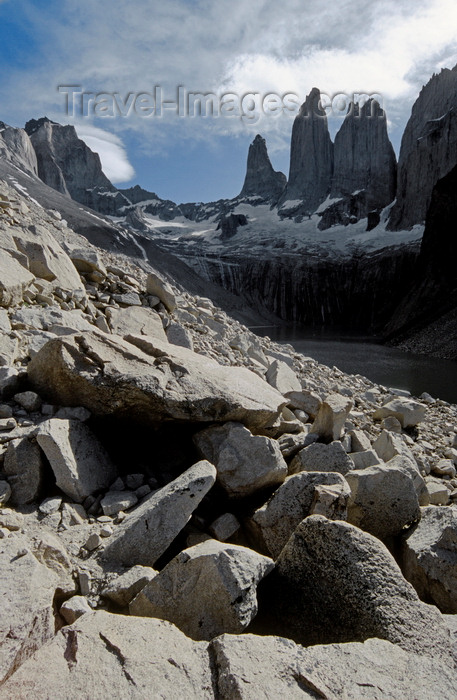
x=191 y=511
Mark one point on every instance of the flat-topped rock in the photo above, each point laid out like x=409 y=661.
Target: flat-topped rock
x=149 y=381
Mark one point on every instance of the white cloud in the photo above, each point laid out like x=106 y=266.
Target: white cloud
x=115 y=162
x=385 y=46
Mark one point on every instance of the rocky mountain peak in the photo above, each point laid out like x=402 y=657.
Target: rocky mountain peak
x=69 y=166
x=364 y=158
x=311 y=159
x=261 y=179
x=34 y=124
x=428 y=148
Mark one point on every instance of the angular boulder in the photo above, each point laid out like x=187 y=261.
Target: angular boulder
x=150 y=381
x=336 y=583
x=27 y=590
x=271 y=526
x=103 y=655
x=24 y=467
x=14 y=279
x=157 y=287
x=429 y=557
x=245 y=463
x=331 y=417
x=206 y=590
x=383 y=500
x=79 y=462
x=150 y=529
x=137 y=320
x=248 y=667
x=407 y=411
x=282 y=378
x=322 y=458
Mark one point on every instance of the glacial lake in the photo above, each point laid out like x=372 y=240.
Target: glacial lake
x=383 y=365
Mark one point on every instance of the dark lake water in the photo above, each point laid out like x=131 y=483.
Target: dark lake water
x=383 y=365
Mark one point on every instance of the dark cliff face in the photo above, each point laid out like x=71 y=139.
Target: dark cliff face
x=428 y=149
x=360 y=293
x=261 y=179
x=311 y=158
x=68 y=165
x=364 y=158
x=428 y=312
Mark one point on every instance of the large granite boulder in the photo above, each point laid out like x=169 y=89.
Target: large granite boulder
x=80 y=464
x=336 y=583
x=149 y=530
x=206 y=590
x=383 y=500
x=245 y=462
x=103 y=655
x=429 y=557
x=27 y=590
x=248 y=667
x=271 y=525
x=149 y=381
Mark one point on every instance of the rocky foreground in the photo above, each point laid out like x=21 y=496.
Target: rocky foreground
x=189 y=510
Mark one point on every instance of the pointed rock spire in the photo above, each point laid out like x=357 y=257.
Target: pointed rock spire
x=311 y=156
x=261 y=179
x=364 y=158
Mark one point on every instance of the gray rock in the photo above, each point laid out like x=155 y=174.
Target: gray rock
x=311 y=158
x=407 y=411
x=74 y=608
x=319 y=605
x=249 y=667
x=115 y=501
x=429 y=557
x=331 y=417
x=149 y=530
x=79 y=462
x=105 y=655
x=383 y=500
x=87 y=260
x=27 y=590
x=245 y=463
x=438 y=493
x=322 y=458
x=137 y=320
x=305 y=400
x=68 y=165
x=5 y=492
x=206 y=590
x=282 y=378
x=123 y=589
x=25 y=469
x=271 y=526
x=261 y=180
x=360 y=442
x=14 y=280
x=50 y=505
x=427 y=147
x=159 y=288
x=151 y=382
x=364 y=157
x=45 y=257
x=28 y=400
x=224 y=527
x=178 y=335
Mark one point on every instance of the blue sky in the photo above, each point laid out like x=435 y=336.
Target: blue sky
x=387 y=47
